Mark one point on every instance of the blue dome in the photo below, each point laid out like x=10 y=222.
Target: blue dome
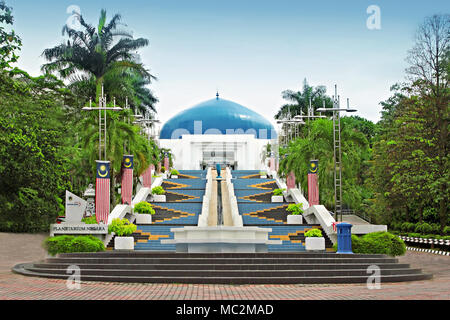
x=217 y=116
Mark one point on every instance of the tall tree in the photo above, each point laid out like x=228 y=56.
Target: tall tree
x=298 y=101
x=428 y=70
x=10 y=42
x=319 y=145
x=98 y=53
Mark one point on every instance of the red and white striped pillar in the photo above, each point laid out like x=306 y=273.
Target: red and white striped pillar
x=127 y=179
x=313 y=183
x=102 y=185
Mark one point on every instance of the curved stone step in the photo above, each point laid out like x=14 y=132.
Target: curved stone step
x=22 y=269
x=189 y=267
x=279 y=261
x=224 y=273
x=149 y=254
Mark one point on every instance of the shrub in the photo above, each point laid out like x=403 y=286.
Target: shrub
x=381 y=243
x=423 y=227
x=174 y=172
x=377 y=243
x=396 y=226
x=68 y=244
x=447 y=230
x=278 y=192
x=158 y=190
x=435 y=228
x=163 y=169
x=408 y=227
x=90 y=220
x=313 y=233
x=121 y=227
x=144 y=207
x=295 y=209
x=414 y=235
x=262 y=173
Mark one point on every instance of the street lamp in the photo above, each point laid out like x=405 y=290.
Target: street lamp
x=101 y=124
x=337 y=149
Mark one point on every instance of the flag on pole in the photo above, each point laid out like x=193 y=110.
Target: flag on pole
x=102 y=192
x=147 y=177
x=166 y=162
x=127 y=179
x=290 y=181
x=272 y=161
x=313 y=184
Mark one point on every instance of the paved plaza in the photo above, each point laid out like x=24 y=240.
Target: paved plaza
x=18 y=248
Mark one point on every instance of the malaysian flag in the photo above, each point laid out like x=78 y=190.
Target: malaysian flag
x=272 y=162
x=102 y=192
x=166 y=162
x=127 y=179
x=313 y=184
x=290 y=181
x=147 y=177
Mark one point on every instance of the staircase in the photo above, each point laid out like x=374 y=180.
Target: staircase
x=222 y=268
x=254 y=203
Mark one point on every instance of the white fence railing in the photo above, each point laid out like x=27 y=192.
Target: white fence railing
x=203 y=217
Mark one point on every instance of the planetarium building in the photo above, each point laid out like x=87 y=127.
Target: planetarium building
x=217 y=131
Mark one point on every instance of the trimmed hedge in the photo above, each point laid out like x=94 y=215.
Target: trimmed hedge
x=144 y=207
x=378 y=243
x=68 y=244
x=121 y=227
x=90 y=220
x=278 y=192
x=313 y=233
x=295 y=209
x=158 y=190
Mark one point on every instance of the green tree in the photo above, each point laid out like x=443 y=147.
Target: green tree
x=33 y=151
x=319 y=145
x=9 y=41
x=104 y=55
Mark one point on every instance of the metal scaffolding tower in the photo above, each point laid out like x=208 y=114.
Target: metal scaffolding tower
x=337 y=150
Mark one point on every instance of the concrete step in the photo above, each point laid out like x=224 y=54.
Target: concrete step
x=225 y=273
x=279 y=261
x=24 y=270
x=188 y=267
x=144 y=254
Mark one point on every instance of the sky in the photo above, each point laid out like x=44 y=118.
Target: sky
x=249 y=51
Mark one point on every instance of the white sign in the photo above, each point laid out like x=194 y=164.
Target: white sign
x=75 y=208
x=78 y=228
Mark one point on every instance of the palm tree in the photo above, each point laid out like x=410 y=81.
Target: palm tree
x=319 y=145
x=299 y=100
x=96 y=54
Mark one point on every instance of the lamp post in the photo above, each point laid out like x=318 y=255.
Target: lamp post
x=101 y=122
x=337 y=149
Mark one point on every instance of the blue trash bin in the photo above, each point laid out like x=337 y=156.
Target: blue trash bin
x=344 y=237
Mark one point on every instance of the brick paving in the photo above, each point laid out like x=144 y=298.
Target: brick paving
x=26 y=248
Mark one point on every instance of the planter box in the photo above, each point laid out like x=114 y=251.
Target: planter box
x=142 y=218
x=277 y=198
x=315 y=243
x=174 y=177
x=294 y=219
x=123 y=243
x=159 y=198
